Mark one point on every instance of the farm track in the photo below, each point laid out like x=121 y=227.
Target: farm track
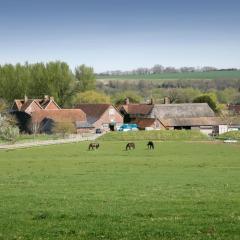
x=38 y=143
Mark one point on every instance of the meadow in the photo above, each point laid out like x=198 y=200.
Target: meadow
x=181 y=190
x=176 y=76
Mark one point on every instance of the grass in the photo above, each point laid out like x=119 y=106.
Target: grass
x=235 y=135
x=180 y=135
x=175 y=76
x=29 y=138
x=178 y=191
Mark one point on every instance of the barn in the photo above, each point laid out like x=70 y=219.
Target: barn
x=102 y=116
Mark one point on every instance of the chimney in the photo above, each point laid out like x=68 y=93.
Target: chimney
x=52 y=98
x=25 y=98
x=151 y=101
x=46 y=98
x=166 y=100
x=127 y=101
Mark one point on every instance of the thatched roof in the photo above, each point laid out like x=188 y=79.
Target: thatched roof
x=185 y=110
x=201 y=121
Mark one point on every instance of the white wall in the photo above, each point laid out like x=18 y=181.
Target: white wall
x=222 y=129
x=207 y=130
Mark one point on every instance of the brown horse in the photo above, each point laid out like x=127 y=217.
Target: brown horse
x=130 y=146
x=150 y=145
x=93 y=146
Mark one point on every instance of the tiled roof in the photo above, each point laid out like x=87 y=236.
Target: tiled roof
x=93 y=111
x=145 y=122
x=22 y=105
x=60 y=115
x=141 y=109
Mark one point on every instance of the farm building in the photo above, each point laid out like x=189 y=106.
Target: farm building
x=189 y=116
x=149 y=124
x=31 y=105
x=43 y=120
x=167 y=116
x=184 y=110
x=103 y=116
x=40 y=115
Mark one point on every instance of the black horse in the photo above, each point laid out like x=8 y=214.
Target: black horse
x=150 y=145
x=130 y=146
x=93 y=146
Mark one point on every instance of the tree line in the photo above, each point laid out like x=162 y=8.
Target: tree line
x=54 y=79
x=80 y=86
x=157 y=68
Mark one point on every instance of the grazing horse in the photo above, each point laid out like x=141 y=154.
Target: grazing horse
x=130 y=146
x=150 y=145
x=93 y=146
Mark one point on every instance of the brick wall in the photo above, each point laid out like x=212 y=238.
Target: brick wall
x=110 y=116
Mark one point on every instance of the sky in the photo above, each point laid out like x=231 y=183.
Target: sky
x=121 y=34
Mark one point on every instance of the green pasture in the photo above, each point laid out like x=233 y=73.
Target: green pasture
x=181 y=190
x=177 y=76
x=162 y=135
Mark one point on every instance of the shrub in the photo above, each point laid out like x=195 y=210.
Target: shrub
x=8 y=131
x=235 y=135
x=64 y=128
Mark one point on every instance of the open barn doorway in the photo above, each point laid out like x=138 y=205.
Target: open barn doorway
x=112 y=126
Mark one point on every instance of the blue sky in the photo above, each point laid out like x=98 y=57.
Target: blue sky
x=121 y=34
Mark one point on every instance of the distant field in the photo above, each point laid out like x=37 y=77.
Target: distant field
x=176 y=76
x=181 y=191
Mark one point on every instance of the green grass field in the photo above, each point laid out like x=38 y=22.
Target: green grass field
x=178 y=191
x=180 y=135
x=175 y=76
x=30 y=138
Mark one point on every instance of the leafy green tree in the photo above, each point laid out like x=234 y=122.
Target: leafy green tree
x=86 y=79
x=209 y=100
x=60 y=80
x=186 y=95
x=91 y=97
x=13 y=81
x=120 y=98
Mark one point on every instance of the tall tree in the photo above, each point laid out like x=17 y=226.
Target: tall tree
x=209 y=100
x=61 y=81
x=86 y=79
x=91 y=97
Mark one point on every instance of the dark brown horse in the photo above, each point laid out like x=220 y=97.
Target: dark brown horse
x=150 y=145
x=93 y=146
x=130 y=146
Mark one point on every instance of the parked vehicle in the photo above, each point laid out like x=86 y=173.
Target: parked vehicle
x=98 y=131
x=128 y=127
